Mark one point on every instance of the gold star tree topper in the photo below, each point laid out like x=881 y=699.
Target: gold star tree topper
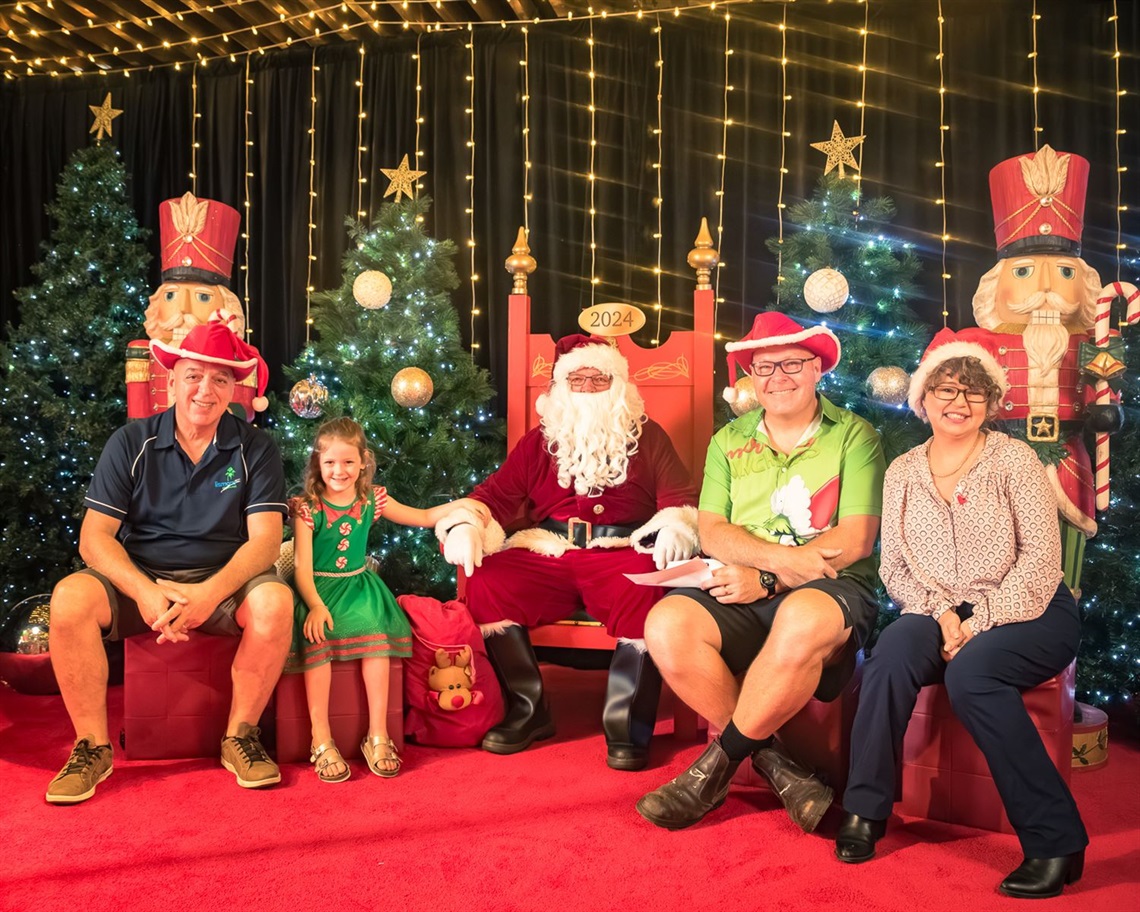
x=403 y=179
x=104 y=114
x=838 y=150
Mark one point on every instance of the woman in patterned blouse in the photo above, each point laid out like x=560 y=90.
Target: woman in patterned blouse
x=971 y=554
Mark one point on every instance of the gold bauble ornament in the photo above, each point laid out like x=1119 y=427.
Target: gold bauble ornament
x=742 y=397
x=307 y=398
x=32 y=637
x=412 y=387
x=889 y=385
x=826 y=290
x=372 y=289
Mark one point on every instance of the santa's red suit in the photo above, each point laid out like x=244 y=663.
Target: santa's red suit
x=539 y=577
x=1074 y=475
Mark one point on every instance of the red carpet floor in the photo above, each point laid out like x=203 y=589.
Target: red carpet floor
x=548 y=829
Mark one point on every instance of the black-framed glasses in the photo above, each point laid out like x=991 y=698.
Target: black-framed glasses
x=788 y=366
x=950 y=393
x=579 y=383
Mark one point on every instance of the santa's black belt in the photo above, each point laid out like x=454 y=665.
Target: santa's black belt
x=579 y=531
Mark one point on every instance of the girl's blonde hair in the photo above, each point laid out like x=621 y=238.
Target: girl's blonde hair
x=347 y=431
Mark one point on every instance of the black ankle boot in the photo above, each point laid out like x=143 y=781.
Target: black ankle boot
x=1040 y=878
x=528 y=715
x=805 y=797
x=632 y=691
x=856 y=838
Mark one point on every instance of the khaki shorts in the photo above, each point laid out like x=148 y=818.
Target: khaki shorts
x=127 y=621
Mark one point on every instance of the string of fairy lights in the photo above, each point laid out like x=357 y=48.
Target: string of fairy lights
x=361 y=114
x=1034 y=18
x=247 y=173
x=194 y=117
x=784 y=134
x=525 y=64
x=417 y=57
x=658 y=167
x=1117 y=132
x=470 y=112
x=722 y=157
x=590 y=170
x=312 y=225
x=864 y=32
x=943 y=128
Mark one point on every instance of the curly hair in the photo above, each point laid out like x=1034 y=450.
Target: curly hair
x=347 y=431
x=971 y=374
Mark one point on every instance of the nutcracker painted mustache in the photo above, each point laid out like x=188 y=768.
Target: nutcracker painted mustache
x=1045 y=315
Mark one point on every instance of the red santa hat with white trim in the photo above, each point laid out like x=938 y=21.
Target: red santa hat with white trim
x=772 y=329
x=577 y=351
x=947 y=344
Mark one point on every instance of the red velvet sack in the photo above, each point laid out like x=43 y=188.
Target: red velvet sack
x=451 y=695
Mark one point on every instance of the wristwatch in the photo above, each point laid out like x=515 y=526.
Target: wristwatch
x=768 y=580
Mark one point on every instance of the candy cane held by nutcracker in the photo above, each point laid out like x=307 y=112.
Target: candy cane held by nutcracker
x=1102 y=328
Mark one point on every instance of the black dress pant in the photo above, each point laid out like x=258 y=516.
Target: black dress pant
x=984 y=682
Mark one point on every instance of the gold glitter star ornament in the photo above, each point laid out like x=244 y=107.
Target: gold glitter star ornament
x=838 y=150
x=403 y=180
x=104 y=114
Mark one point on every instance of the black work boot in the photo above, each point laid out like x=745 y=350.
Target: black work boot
x=528 y=715
x=632 y=691
x=804 y=796
x=699 y=789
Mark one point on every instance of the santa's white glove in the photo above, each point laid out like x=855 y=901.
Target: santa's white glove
x=464 y=547
x=671 y=545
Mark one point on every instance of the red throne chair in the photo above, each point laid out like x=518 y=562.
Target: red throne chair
x=676 y=381
x=945 y=776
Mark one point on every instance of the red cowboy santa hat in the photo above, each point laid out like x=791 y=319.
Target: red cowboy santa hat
x=947 y=344
x=213 y=343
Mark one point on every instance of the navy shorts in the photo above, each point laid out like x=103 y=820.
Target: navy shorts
x=745 y=627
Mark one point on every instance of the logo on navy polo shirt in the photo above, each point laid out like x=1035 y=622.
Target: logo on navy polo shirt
x=231 y=481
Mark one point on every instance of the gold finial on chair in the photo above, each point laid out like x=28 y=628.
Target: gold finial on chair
x=704 y=257
x=520 y=263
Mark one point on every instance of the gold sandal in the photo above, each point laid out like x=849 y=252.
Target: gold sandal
x=372 y=746
x=326 y=755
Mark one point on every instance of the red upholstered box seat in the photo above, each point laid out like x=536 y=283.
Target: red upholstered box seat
x=945 y=776
x=176 y=696
x=348 y=711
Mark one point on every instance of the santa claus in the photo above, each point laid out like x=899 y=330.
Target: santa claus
x=1036 y=307
x=596 y=491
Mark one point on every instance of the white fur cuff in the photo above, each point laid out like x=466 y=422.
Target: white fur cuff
x=492 y=535
x=683 y=520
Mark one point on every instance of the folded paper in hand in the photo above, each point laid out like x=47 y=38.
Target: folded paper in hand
x=678 y=574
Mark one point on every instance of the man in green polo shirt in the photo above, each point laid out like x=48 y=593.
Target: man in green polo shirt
x=790 y=506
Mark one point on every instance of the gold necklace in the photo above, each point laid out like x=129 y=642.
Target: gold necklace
x=957 y=468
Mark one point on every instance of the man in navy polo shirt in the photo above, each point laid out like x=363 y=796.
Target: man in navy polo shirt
x=183 y=525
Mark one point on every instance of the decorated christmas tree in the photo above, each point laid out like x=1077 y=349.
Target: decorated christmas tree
x=386 y=352
x=62 y=392
x=841 y=266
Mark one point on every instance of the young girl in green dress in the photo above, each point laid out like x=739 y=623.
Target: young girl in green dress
x=344 y=612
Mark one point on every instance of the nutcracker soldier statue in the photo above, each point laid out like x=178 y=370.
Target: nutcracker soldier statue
x=197 y=238
x=1037 y=309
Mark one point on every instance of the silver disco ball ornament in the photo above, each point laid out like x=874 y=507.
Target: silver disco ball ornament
x=23 y=627
x=308 y=397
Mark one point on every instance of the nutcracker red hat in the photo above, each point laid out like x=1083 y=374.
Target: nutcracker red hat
x=1039 y=203
x=772 y=329
x=213 y=343
x=947 y=344
x=576 y=351
x=198 y=238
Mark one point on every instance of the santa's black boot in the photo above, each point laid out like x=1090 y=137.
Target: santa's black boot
x=528 y=715
x=632 y=692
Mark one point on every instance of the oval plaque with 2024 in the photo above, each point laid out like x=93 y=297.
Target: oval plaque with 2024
x=612 y=319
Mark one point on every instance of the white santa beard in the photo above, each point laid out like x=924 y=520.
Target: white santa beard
x=590 y=435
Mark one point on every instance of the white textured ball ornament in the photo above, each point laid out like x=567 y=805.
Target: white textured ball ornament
x=741 y=397
x=826 y=290
x=889 y=385
x=412 y=387
x=372 y=289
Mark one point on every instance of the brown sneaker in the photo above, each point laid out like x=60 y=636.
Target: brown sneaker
x=243 y=755
x=88 y=765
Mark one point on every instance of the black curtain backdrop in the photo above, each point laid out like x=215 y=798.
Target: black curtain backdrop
x=989 y=107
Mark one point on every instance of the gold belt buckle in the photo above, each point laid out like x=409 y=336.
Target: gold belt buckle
x=571 y=530
x=1042 y=427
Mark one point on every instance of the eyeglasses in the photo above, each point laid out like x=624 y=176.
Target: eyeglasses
x=950 y=393
x=581 y=382
x=789 y=366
